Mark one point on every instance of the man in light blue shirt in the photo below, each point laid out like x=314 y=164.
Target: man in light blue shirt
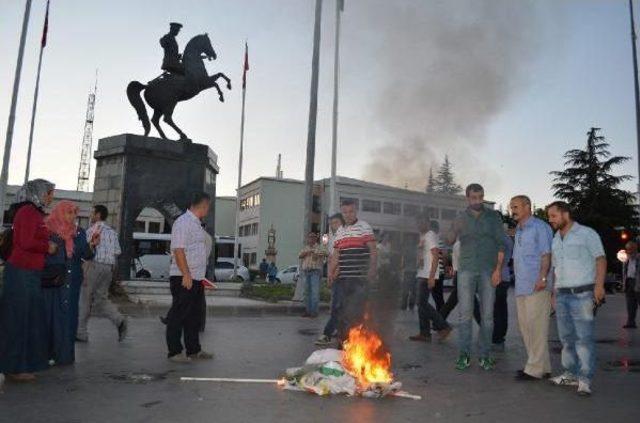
x=531 y=265
x=580 y=267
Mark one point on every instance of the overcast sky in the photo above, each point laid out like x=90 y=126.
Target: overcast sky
x=504 y=87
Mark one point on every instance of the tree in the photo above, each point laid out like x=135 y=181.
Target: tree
x=431 y=182
x=445 y=181
x=593 y=191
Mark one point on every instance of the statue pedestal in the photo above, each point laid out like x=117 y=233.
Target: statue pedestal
x=134 y=172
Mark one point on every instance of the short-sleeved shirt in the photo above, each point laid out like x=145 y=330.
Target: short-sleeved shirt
x=533 y=240
x=354 y=255
x=574 y=256
x=315 y=260
x=187 y=233
x=428 y=242
x=481 y=238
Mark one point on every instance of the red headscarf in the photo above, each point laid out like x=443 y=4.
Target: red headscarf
x=58 y=223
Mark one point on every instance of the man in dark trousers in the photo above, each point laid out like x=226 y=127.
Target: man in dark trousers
x=189 y=254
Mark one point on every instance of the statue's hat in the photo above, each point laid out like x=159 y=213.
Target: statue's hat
x=179 y=25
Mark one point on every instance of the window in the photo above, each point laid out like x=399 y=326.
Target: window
x=256 y=200
x=411 y=210
x=448 y=214
x=353 y=199
x=139 y=226
x=241 y=231
x=392 y=208
x=254 y=229
x=154 y=227
x=315 y=207
x=254 y=258
x=371 y=206
x=431 y=212
x=245 y=258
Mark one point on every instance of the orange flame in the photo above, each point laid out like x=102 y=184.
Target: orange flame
x=366 y=358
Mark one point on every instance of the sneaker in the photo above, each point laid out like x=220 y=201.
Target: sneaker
x=324 y=340
x=122 y=330
x=180 y=358
x=444 y=334
x=420 y=338
x=564 y=379
x=463 y=362
x=201 y=355
x=487 y=363
x=584 y=389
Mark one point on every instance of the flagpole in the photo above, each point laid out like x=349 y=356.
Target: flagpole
x=635 y=86
x=33 y=116
x=311 y=130
x=334 y=132
x=4 y=176
x=240 y=156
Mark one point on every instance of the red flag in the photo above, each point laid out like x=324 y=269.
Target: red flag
x=45 y=29
x=246 y=66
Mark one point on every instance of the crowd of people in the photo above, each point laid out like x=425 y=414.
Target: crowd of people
x=54 y=275
x=564 y=272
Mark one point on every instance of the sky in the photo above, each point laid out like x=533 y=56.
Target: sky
x=504 y=87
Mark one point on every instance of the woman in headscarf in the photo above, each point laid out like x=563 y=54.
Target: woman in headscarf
x=61 y=291
x=23 y=348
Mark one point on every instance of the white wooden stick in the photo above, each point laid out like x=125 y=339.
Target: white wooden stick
x=225 y=379
x=403 y=394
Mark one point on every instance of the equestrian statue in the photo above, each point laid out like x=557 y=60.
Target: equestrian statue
x=184 y=77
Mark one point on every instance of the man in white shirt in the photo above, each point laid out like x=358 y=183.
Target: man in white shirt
x=98 y=274
x=631 y=291
x=428 y=272
x=190 y=248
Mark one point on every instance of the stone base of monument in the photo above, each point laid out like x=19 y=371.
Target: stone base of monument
x=134 y=172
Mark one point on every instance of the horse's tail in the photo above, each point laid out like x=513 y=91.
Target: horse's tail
x=133 y=94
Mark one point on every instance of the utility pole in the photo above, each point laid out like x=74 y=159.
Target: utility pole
x=334 y=129
x=636 y=89
x=4 y=176
x=311 y=133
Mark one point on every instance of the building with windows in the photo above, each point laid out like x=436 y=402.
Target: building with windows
x=279 y=203
x=225 y=217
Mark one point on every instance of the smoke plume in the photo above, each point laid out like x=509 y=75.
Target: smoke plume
x=452 y=66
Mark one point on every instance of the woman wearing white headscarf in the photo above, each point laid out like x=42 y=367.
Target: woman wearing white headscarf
x=23 y=343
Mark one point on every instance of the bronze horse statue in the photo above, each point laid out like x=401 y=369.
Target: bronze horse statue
x=163 y=93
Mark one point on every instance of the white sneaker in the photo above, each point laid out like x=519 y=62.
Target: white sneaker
x=564 y=379
x=584 y=389
x=180 y=358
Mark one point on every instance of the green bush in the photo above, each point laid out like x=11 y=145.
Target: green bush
x=268 y=292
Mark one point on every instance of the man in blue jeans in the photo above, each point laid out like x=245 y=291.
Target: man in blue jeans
x=336 y=221
x=580 y=268
x=481 y=238
x=312 y=259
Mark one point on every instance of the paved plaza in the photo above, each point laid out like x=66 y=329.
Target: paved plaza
x=133 y=381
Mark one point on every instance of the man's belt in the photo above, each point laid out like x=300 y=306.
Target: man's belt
x=576 y=290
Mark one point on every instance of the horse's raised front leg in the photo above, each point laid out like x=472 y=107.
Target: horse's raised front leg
x=168 y=118
x=155 y=119
x=215 y=77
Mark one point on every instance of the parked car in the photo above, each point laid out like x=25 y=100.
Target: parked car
x=224 y=270
x=151 y=266
x=288 y=275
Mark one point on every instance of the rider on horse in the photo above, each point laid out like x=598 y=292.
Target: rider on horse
x=172 y=58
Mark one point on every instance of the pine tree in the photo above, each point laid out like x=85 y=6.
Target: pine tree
x=431 y=182
x=445 y=181
x=593 y=192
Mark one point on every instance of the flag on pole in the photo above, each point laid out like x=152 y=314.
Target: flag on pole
x=45 y=28
x=246 y=66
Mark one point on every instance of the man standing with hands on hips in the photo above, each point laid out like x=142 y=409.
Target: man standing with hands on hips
x=190 y=251
x=532 y=265
x=481 y=238
x=580 y=267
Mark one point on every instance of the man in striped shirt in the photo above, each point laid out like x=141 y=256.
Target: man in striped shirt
x=353 y=264
x=94 y=296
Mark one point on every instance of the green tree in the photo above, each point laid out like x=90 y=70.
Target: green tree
x=445 y=180
x=588 y=184
x=431 y=181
